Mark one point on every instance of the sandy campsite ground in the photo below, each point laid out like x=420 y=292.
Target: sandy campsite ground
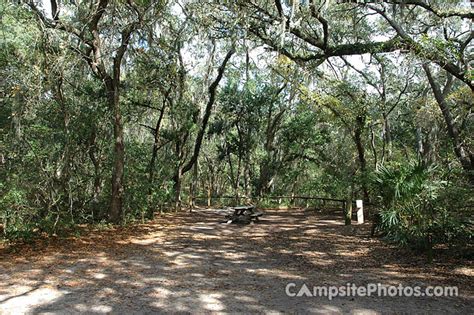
x=192 y=263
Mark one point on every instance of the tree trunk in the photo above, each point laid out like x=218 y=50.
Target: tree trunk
x=269 y=167
x=207 y=112
x=387 y=132
x=113 y=89
x=177 y=188
x=194 y=185
x=264 y=179
x=154 y=153
x=419 y=142
x=97 y=188
x=464 y=155
x=177 y=178
x=360 y=121
x=116 y=203
x=348 y=212
x=372 y=144
x=348 y=204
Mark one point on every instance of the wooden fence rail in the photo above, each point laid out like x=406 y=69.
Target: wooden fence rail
x=237 y=199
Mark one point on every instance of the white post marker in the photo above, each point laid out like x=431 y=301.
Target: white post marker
x=360 y=211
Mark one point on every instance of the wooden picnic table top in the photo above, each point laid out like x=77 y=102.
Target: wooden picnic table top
x=243 y=207
x=244 y=213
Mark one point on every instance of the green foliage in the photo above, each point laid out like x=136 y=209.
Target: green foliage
x=415 y=211
x=280 y=125
x=17 y=218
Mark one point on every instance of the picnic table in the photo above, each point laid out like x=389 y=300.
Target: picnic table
x=244 y=214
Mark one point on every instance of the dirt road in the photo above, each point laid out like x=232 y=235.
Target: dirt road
x=192 y=263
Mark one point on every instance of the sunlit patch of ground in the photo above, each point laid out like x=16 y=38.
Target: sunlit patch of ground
x=192 y=262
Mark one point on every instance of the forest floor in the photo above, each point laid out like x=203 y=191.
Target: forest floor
x=193 y=263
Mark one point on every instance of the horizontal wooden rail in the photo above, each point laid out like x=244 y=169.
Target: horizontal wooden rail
x=270 y=197
x=342 y=202
x=302 y=197
x=216 y=197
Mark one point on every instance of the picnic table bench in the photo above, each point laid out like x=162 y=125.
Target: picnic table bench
x=244 y=214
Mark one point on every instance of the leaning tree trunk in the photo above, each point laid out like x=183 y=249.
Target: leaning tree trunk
x=463 y=153
x=154 y=153
x=207 y=112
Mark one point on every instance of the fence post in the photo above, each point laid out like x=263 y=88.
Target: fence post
x=209 y=196
x=348 y=212
x=360 y=211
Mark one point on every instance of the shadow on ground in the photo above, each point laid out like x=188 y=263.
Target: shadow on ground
x=191 y=262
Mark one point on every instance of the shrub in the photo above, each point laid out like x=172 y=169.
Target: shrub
x=17 y=219
x=415 y=209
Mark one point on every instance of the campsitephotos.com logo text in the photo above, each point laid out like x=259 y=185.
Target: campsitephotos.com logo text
x=371 y=289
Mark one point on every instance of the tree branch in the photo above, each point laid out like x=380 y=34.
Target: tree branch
x=417 y=49
x=208 y=110
x=279 y=8
x=469 y=14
